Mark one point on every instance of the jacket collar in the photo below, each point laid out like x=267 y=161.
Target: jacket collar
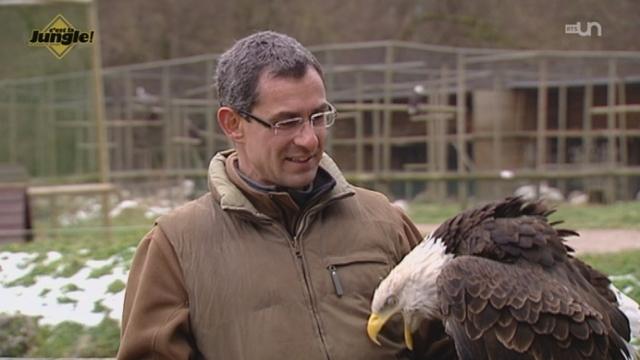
x=233 y=193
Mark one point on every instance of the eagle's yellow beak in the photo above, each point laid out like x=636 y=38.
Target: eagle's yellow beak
x=377 y=321
x=408 y=340
x=375 y=324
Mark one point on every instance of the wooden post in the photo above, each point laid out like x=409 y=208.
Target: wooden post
x=118 y=134
x=611 y=128
x=624 y=151
x=375 y=115
x=52 y=148
x=461 y=117
x=210 y=111
x=329 y=76
x=129 y=146
x=498 y=149
x=98 y=97
x=167 y=132
x=80 y=131
x=386 y=129
x=53 y=216
x=13 y=139
x=441 y=131
x=98 y=101
x=541 y=138
x=432 y=99
x=587 y=140
x=40 y=131
x=561 y=158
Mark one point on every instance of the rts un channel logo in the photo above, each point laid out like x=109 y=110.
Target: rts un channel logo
x=60 y=37
x=577 y=28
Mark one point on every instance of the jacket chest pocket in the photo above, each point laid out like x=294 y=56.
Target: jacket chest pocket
x=356 y=273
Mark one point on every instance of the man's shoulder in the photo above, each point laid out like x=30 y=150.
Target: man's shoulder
x=368 y=195
x=190 y=215
x=188 y=209
x=373 y=204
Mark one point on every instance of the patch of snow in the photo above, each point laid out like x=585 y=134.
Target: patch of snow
x=14 y=265
x=123 y=205
x=51 y=257
x=42 y=298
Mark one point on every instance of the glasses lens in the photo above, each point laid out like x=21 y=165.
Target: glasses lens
x=323 y=119
x=319 y=119
x=329 y=118
x=288 y=126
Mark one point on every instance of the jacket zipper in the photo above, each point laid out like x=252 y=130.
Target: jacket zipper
x=335 y=279
x=312 y=301
x=297 y=248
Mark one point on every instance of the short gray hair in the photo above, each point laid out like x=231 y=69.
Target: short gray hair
x=240 y=67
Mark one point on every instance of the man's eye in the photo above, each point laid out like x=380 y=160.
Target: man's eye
x=289 y=123
x=319 y=118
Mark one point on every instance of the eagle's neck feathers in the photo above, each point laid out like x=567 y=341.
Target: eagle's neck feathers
x=419 y=271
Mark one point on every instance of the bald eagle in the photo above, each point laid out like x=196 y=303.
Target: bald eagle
x=504 y=285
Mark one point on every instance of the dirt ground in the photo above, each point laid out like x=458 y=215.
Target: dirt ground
x=589 y=241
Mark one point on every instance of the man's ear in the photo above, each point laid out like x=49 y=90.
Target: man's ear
x=231 y=123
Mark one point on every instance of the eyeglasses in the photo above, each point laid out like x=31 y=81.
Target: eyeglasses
x=323 y=119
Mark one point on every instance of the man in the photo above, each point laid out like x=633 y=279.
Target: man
x=281 y=258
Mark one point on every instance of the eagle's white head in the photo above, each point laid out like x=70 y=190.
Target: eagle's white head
x=410 y=289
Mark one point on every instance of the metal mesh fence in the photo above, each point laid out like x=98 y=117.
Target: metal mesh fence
x=408 y=112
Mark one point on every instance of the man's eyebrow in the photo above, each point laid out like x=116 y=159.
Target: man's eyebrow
x=284 y=115
x=324 y=107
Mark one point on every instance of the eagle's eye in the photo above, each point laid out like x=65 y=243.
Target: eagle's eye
x=391 y=301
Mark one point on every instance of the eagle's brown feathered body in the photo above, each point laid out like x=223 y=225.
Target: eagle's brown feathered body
x=511 y=289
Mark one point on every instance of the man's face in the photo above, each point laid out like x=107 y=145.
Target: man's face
x=285 y=160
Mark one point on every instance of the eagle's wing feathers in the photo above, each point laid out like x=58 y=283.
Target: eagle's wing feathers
x=509 y=239
x=502 y=310
x=602 y=285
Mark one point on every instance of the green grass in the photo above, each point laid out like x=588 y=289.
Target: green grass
x=80 y=243
x=622 y=215
x=98 y=307
x=70 y=339
x=423 y=213
x=30 y=278
x=619 y=264
x=115 y=287
x=66 y=300
x=102 y=271
x=70 y=288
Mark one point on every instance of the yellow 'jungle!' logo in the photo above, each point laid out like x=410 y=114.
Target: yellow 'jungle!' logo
x=60 y=36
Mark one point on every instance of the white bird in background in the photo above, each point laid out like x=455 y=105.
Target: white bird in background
x=143 y=97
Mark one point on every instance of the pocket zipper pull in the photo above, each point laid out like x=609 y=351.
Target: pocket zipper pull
x=336 y=280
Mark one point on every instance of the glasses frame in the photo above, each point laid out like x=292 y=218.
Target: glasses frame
x=274 y=126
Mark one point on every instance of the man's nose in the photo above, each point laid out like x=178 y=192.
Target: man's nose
x=307 y=137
